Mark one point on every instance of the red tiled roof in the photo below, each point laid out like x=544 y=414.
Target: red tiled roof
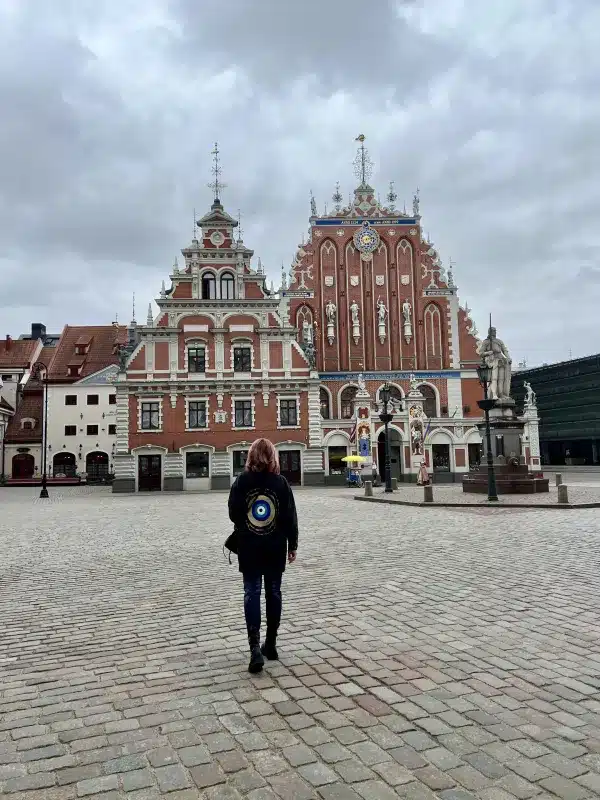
x=31 y=406
x=17 y=353
x=103 y=340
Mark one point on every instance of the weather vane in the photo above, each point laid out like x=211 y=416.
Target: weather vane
x=363 y=166
x=216 y=185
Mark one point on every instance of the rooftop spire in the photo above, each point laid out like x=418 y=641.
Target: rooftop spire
x=337 y=197
x=216 y=185
x=391 y=197
x=363 y=166
x=133 y=308
x=240 y=232
x=416 y=201
x=149 y=319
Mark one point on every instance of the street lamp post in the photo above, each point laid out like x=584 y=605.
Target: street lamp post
x=386 y=418
x=484 y=373
x=39 y=367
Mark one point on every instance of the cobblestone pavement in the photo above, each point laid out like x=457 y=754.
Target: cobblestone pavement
x=425 y=654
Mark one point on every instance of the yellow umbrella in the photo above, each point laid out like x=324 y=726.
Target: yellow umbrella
x=357 y=459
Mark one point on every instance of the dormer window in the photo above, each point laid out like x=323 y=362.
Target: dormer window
x=209 y=286
x=27 y=424
x=82 y=346
x=227 y=287
x=74 y=370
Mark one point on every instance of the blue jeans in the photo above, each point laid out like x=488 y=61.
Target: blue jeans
x=252 y=589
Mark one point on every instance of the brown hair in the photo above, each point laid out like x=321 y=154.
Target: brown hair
x=262 y=457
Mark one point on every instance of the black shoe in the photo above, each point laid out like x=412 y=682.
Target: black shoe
x=257 y=661
x=269 y=650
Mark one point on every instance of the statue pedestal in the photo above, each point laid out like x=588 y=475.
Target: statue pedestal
x=512 y=472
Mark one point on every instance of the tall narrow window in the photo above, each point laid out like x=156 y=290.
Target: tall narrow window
x=209 y=286
x=243 y=413
x=197 y=414
x=227 y=287
x=430 y=404
x=347 y=402
x=150 y=416
x=324 y=401
x=196 y=359
x=288 y=410
x=242 y=359
x=433 y=337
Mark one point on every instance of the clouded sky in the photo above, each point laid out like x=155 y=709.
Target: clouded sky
x=110 y=109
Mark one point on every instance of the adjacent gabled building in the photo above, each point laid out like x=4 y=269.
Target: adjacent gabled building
x=219 y=366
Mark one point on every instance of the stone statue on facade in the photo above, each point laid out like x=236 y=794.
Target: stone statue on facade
x=495 y=355
x=306 y=332
x=414 y=383
x=123 y=354
x=361 y=383
x=381 y=311
x=354 y=309
x=530 y=397
x=406 y=311
x=330 y=311
x=313 y=206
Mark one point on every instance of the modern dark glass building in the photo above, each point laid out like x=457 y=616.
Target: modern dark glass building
x=568 y=401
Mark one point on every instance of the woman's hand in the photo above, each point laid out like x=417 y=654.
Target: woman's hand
x=291 y=556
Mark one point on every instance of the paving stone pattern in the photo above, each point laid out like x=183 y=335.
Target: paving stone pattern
x=425 y=653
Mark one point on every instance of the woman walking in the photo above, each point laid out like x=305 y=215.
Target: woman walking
x=262 y=509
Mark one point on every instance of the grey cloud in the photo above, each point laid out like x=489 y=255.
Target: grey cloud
x=109 y=115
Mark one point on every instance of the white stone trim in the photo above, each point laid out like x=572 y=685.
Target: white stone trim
x=195 y=343
x=315 y=431
x=196 y=399
x=336 y=432
x=234 y=399
x=286 y=396
x=455 y=398
x=241 y=328
x=438 y=409
x=338 y=409
x=122 y=420
x=141 y=400
x=195 y=328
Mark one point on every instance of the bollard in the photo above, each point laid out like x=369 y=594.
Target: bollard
x=563 y=494
x=368 y=489
x=428 y=493
x=394 y=484
x=558 y=478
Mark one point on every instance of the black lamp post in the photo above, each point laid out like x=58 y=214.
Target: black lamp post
x=38 y=367
x=386 y=418
x=484 y=373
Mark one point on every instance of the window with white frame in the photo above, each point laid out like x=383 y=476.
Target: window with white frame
x=209 y=286
x=347 y=402
x=227 y=286
x=197 y=416
x=150 y=415
x=287 y=412
x=196 y=358
x=242 y=358
x=243 y=413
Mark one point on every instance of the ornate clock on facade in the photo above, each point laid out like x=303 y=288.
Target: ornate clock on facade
x=366 y=239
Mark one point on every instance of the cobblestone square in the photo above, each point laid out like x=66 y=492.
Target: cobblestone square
x=425 y=653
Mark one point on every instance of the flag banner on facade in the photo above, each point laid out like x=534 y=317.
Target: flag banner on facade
x=427 y=429
x=353 y=433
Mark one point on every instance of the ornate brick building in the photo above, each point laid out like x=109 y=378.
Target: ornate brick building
x=368 y=291
x=219 y=366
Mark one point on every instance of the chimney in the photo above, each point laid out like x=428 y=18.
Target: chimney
x=8 y=342
x=38 y=331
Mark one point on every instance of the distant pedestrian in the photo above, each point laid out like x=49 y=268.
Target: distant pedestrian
x=263 y=511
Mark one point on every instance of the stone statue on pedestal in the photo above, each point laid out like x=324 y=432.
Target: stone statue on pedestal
x=530 y=398
x=495 y=355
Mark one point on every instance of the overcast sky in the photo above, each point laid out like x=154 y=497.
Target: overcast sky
x=110 y=109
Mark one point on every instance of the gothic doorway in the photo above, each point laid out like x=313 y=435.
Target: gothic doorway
x=96 y=466
x=149 y=474
x=395 y=453
x=23 y=466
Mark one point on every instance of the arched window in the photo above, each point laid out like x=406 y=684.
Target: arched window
x=395 y=394
x=347 y=402
x=433 y=337
x=227 y=286
x=324 y=401
x=209 y=286
x=430 y=404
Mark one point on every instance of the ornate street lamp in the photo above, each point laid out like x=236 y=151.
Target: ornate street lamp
x=484 y=373
x=37 y=368
x=386 y=418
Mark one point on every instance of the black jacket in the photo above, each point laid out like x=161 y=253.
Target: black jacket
x=263 y=511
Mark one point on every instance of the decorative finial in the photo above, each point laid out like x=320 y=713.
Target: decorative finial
x=163 y=291
x=216 y=185
x=283 y=277
x=450 y=273
x=194 y=239
x=260 y=267
x=175 y=267
x=325 y=210
x=149 y=319
x=363 y=166
x=272 y=289
x=391 y=197
x=313 y=205
x=337 y=197
x=240 y=232
x=133 y=308
x=416 y=201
